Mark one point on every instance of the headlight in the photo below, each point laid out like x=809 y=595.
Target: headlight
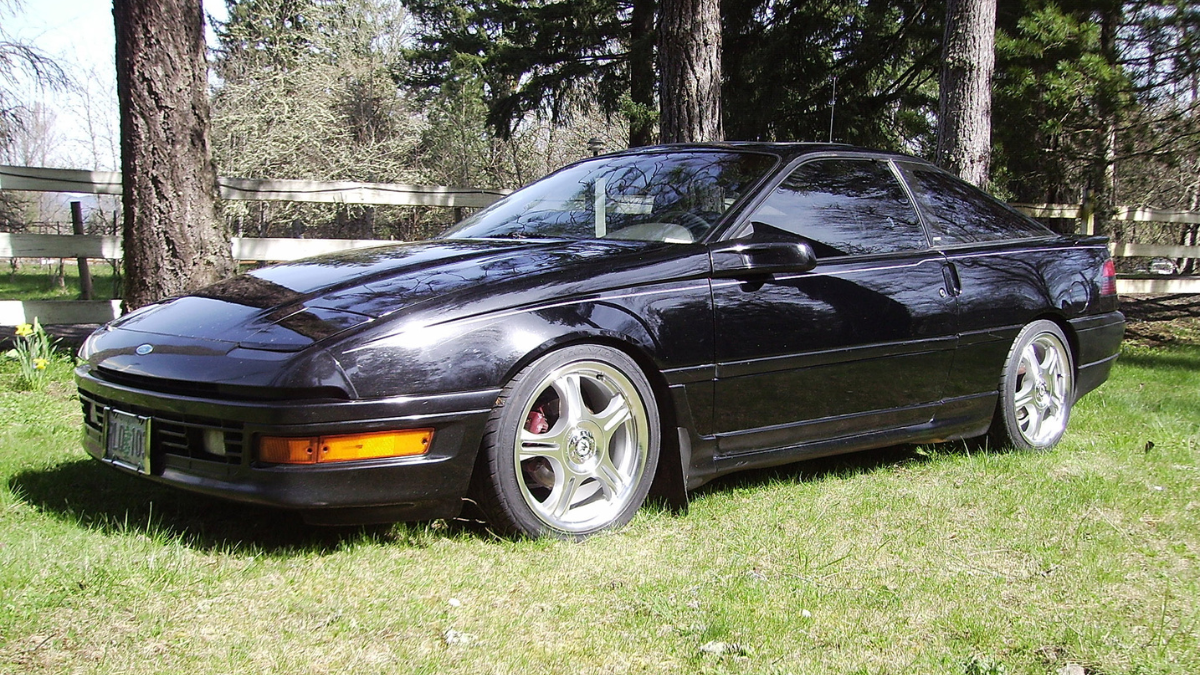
x=89 y=345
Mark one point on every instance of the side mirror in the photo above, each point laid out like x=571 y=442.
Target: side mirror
x=741 y=258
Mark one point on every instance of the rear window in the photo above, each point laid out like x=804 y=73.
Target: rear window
x=959 y=213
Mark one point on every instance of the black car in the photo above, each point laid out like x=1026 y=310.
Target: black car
x=650 y=318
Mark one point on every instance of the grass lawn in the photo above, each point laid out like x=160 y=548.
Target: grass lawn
x=33 y=280
x=909 y=560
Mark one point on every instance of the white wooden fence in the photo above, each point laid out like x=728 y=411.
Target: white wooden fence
x=37 y=179
x=1131 y=285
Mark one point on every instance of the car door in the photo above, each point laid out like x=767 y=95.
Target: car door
x=860 y=343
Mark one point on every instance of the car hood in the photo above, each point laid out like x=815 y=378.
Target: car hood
x=288 y=307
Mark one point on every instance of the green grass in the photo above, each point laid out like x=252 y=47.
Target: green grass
x=34 y=281
x=907 y=560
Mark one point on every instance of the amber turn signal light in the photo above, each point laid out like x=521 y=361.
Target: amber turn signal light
x=344 y=448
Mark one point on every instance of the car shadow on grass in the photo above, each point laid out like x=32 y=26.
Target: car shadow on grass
x=96 y=497
x=841 y=466
x=1181 y=357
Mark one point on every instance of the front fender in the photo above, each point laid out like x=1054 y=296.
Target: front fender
x=671 y=326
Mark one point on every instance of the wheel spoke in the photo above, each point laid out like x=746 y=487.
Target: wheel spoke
x=1031 y=421
x=1049 y=366
x=1038 y=417
x=1024 y=396
x=534 y=445
x=570 y=398
x=617 y=412
x=561 y=497
x=611 y=480
x=1033 y=369
x=1029 y=359
x=1054 y=385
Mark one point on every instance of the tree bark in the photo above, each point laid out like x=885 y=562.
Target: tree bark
x=172 y=239
x=964 y=144
x=1104 y=162
x=689 y=55
x=641 y=73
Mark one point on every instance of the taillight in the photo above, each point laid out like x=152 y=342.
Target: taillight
x=1108 y=278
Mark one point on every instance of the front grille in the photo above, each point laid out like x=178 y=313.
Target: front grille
x=157 y=384
x=229 y=392
x=170 y=434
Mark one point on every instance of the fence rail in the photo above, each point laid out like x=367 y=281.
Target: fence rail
x=244 y=249
x=39 y=179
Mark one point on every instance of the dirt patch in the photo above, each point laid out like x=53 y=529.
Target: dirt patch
x=1155 y=320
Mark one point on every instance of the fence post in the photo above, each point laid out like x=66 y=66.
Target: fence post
x=85 y=275
x=1087 y=214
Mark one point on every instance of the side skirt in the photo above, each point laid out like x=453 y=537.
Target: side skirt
x=958 y=418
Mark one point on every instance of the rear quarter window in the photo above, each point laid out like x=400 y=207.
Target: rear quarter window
x=957 y=212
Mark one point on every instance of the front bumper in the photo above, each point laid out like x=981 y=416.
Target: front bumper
x=380 y=490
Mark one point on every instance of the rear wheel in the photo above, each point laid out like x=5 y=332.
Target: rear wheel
x=571 y=447
x=1037 y=389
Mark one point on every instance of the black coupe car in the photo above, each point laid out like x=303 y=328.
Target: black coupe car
x=647 y=319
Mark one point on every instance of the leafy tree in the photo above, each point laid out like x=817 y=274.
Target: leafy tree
x=779 y=62
x=305 y=91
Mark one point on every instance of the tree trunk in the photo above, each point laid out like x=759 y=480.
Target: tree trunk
x=964 y=144
x=689 y=56
x=641 y=73
x=1104 y=161
x=173 y=241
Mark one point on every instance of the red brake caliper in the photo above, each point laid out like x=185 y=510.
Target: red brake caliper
x=538 y=469
x=536 y=423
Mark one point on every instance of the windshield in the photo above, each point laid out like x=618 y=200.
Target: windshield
x=675 y=197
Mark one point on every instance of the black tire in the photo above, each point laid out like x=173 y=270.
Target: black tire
x=584 y=422
x=1037 y=390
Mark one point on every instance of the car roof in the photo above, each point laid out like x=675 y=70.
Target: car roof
x=785 y=150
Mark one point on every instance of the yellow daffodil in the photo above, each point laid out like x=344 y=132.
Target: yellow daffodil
x=24 y=330
x=40 y=364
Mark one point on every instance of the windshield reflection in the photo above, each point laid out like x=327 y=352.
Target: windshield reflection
x=674 y=197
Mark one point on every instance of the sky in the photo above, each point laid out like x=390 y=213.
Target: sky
x=78 y=34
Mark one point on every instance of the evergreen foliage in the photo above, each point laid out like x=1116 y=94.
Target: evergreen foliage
x=531 y=56
x=1091 y=97
x=781 y=61
x=1067 y=71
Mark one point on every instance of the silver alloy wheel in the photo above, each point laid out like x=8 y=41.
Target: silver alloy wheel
x=1041 y=402
x=582 y=449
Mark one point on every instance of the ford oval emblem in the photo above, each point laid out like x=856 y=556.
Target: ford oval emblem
x=143 y=350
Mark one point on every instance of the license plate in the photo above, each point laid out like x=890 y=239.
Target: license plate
x=128 y=441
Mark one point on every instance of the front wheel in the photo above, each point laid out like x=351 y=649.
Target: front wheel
x=571 y=447
x=1037 y=389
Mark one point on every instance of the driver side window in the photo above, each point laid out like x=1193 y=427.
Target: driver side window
x=844 y=207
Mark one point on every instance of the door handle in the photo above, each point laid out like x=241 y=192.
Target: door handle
x=953 y=283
